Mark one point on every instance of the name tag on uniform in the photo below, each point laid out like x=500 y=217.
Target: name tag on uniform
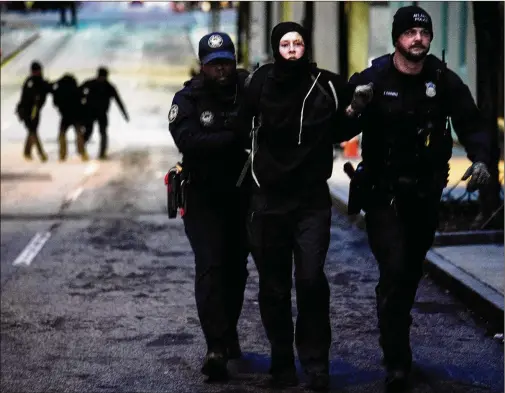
x=391 y=93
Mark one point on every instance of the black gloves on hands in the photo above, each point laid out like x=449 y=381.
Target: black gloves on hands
x=362 y=96
x=480 y=176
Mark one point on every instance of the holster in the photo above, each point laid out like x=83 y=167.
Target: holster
x=357 y=188
x=176 y=182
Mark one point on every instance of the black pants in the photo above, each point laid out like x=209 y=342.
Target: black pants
x=32 y=138
x=281 y=228
x=66 y=122
x=400 y=235
x=215 y=225
x=102 y=127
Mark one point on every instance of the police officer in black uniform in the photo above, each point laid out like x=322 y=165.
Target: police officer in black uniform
x=33 y=97
x=202 y=121
x=66 y=98
x=403 y=102
x=96 y=95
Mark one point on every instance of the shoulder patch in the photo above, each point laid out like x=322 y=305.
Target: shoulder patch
x=173 y=112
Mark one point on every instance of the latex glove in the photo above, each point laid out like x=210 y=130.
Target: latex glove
x=480 y=176
x=362 y=96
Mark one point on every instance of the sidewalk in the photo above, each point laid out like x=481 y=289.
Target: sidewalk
x=16 y=36
x=475 y=273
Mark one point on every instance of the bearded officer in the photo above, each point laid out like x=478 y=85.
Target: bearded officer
x=404 y=102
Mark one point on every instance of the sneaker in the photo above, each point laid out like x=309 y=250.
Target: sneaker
x=214 y=366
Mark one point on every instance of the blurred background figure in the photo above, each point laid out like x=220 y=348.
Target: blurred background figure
x=96 y=95
x=33 y=97
x=67 y=100
x=72 y=7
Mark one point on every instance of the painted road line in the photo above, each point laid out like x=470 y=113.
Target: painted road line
x=74 y=195
x=91 y=168
x=32 y=249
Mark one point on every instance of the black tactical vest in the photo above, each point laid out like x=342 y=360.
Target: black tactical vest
x=407 y=138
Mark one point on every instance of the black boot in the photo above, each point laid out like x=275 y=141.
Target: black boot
x=283 y=370
x=284 y=378
x=214 y=366
x=397 y=380
x=319 y=382
x=233 y=347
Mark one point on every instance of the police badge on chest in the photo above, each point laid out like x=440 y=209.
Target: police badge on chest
x=430 y=89
x=207 y=118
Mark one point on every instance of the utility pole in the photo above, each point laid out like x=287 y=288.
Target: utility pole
x=214 y=16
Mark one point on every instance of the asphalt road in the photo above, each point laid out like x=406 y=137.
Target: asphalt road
x=103 y=300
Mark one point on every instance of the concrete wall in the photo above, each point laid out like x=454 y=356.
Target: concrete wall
x=326 y=28
x=257 y=49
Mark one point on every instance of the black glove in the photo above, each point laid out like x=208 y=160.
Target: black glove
x=362 y=96
x=480 y=176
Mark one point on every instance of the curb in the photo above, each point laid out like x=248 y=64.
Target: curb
x=15 y=52
x=477 y=296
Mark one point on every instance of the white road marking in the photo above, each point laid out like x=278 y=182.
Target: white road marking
x=32 y=249
x=91 y=168
x=74 y=195
x=5 y=125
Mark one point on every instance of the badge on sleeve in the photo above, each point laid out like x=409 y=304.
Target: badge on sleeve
x=172 y=114
x=430 y=89
x=207 y=118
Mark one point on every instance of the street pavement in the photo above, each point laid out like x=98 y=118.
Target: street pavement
x=97 y=290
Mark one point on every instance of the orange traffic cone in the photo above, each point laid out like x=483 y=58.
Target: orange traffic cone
x=351 y=149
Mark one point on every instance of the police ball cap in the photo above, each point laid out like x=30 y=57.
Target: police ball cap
x=408 y=17
x=216 y=45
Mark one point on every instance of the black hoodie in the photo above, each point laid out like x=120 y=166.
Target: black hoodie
x=302 y=109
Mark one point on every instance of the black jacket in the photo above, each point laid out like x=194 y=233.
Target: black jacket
x=96 y=97
x=300 y=155
x=66 y=96
x=205 y=131
x=33 y=97
x=407 y=117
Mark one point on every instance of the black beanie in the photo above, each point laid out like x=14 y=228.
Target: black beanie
x=35 y=66
x=284 y=28
x=409 y=17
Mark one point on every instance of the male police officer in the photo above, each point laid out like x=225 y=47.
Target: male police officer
x=66 y=99
x=202 y=121
x=95 y=98
x=33 y=98
x=404 y=101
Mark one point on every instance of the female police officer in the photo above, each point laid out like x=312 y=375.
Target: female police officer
x=296 y=109
x=406 y=148
x=201 y=121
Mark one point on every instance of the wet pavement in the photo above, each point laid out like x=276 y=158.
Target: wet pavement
x=107 y=303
